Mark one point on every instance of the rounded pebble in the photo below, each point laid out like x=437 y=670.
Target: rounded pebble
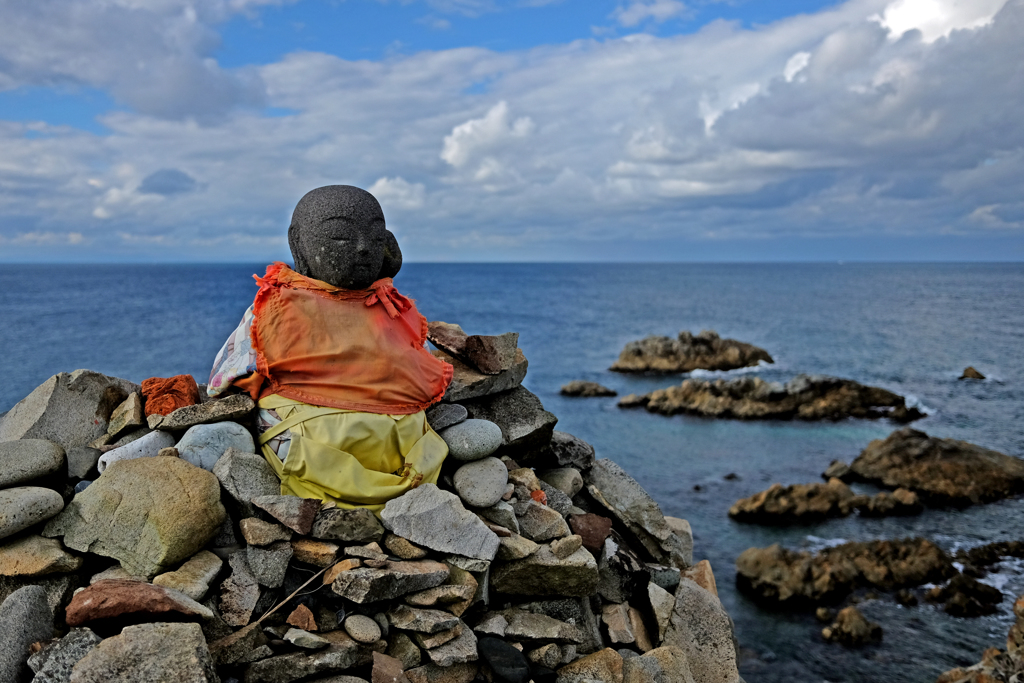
x=27 y=459
x=362 y=629
x=203 y=445
x=482 y=483
x=146 y=447
x=24 y=506
x=472 y=439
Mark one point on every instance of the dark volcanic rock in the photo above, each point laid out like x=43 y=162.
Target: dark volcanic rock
x=578 y=387
x=786 y=577
x=851 y=629
x=525 y=425
x=971 y=373
x=706 y=351
x=967 y=597
x=804 y=397
x=799 y=503
x=941 y=471
x=488 y=354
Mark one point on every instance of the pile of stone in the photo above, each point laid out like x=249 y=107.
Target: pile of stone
x=688 y=352
x=529 y=560
x=996 y=666
x=807 y=503
x=805 y=397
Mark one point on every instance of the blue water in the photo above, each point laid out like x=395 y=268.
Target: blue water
x=908 y=328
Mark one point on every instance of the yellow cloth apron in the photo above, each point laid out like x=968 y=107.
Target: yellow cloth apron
x=351 y=458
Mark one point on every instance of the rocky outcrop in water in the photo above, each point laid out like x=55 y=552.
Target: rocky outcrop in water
x=996 y=666
x=805 y=397
x=807 y=503
x=782 y=577
x=852 y=629
x=586 y=389
x=940 y=471
x=970 y=373
x=530 y=559
x=687 y=352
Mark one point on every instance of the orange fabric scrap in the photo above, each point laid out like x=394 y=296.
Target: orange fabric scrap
x=165 y=395
x=539 y=496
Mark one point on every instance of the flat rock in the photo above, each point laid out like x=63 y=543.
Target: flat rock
x=257 y=532
x=443 y=415
x=440 y=596
x=234 y=407
x=469 y=383
x=387 y=669
x=940 y=471
x=432 y=673
x=71 y=410
x=627 y=501
x=688 y=352
x=403 y=548
x=237 y=646
x=540 y=523
x=36 y=556
x=126 y=416
x=593 y=529
x=28 y=459
x=204 y=444
x=515 y=547
x=436 y=519
x=26 y=506
x=53 y=663
x=146 y=447
x=421 y=620
x=524 y=423
x=489 y=354
x=240 y=592
x=482 y=483
x=663 y=665
x=311 y=551
x=532 y=626
x=502 y=514
x=305 y=639
x=25 y=618
x=132 y=601
x=246 y=476
x=542 y=573
x=585 y=389
x=337 y=524
x=401 y=647
x=149 y=514
x=295 y=513
x=395 y=579
x=270 y=564
x=458 y=650
x=192 y=578
x=564 y=450
x=604 y=665
x=149 y=653
x=472 y=439
x=662 y=604
x=342 y=654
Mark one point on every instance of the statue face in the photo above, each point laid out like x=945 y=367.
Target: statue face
x=338 y=235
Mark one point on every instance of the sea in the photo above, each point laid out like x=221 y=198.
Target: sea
x=911 y=328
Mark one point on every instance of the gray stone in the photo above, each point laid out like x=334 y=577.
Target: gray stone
x=149 y=514
x=488 y=354
x=295 y=513
x=28 y=459
x=36 y=556
x=564 y=547
x=204 y=444
x=621 y=570
x=54 y=662
x=492 y=624
x=616 y=620
x=445 y=415
x=342 y=654
x=524 y=423
x=126 y=416
x=26 y=506
x=681 y=528
x=401 y=647
x=568 y=480
x=702 y=629
x=193 y=578
x=58 y=587
x=459 y=650
x=239 y=592
x=25 y=618
x=469 y=383
x=246 y=476
x=663 y=665
x=133 y=435
x=82 y=460
x=533 y=626
x=149 y=653
x=146 y=447
x=432 y=673
x=664 y=576
x=305 y=639
x=363 y=629
x=472 y=439
x=71 y=410
x=663 y=604
x=624 y=498
x=234 y=407
x=336 y=524
x=540 y=523
x=421 y=620
x=338 y=235
x=502 y=514
x=257 y=532
x=437 y=520
x=515 y=547
x=481 y=483
x=575 y=611
x=570 y=451
x=403 y=548
x=556 y=500
x=604 y=665
x=445 y=595
x=370 y=584
x=542 y=573
x=270 y=564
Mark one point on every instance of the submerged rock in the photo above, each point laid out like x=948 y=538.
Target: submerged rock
x=704 y=351
x=941 y=471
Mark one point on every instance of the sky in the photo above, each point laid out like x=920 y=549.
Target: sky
x=516 y=130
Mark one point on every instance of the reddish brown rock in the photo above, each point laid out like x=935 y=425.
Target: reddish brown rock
x=594 y=529
x=302 y=617
x=387 y=670
x=164 y=396
x=132 y=601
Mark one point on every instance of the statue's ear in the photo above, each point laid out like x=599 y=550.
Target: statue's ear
x=301 y=267
x=392 y=256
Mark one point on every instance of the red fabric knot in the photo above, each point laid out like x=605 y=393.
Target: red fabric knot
x=384 y=292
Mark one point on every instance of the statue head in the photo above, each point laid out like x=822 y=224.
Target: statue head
x=338 y=235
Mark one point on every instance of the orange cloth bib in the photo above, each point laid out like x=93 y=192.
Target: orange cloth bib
x=351 y=349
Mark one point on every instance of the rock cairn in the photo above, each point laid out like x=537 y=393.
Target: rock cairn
x=805 y=397
x=688 y=352
x=529 y=560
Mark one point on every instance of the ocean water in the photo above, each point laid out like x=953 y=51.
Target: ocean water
x=908 y=328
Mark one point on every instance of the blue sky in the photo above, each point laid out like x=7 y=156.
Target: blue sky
x=186 y=130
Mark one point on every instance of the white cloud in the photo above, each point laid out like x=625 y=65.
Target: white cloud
x=470 y=139
x=795 y=65
x=398 y=192
x=937 y=18
x=636 y=12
